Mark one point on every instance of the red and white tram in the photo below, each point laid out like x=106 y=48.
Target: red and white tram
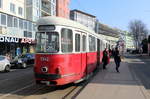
x=66 y=51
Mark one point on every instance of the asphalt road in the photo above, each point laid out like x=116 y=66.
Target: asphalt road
x=140 y=66
x=20 y=84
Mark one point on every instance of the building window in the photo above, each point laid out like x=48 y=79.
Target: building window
x=37 y=3
x=9 y=21
x=34 y=27
x=37 y=12
x=25 y=25
x=54 y=1
x=1 y=3
x=29 y=26
x=3 y=19
x=30 y=34
x=20 y=11
x=12 y=8
x=29 y=2
x=15 y=22
x=25 y=33
x=20 y=23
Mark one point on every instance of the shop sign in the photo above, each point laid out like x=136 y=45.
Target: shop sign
x=26 y=40
x=9 y=39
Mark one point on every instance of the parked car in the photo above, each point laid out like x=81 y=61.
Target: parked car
x=4 y=64
x=23 y=61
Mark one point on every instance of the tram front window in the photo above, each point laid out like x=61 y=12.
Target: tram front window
x=47 y=42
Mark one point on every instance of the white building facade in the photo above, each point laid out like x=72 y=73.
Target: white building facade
x=17 y=23
x=129 y=41
x=83 y=18
x=38 y=8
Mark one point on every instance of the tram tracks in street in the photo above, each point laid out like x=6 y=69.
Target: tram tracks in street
x=22 y=92
x=31 y=90
x=75 y=91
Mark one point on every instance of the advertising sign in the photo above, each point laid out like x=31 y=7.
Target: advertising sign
x=9 y=39
x=16 y=40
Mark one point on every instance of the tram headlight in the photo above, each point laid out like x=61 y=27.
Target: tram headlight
x=44 y=69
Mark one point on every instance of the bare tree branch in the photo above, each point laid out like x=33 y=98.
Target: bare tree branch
x=139 y=31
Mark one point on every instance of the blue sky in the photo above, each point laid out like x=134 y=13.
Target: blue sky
x=115 y=13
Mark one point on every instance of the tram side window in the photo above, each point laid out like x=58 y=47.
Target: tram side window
x=47 y=42
x=92 y=43
x=101 y=44
x=77 y=42
x=84 y=43
x=40 y=40
x=52 y=42
x=66 y=40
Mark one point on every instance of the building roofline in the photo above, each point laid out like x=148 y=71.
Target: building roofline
x=83 y=12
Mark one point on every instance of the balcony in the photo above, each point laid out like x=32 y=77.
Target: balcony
x=46 y=8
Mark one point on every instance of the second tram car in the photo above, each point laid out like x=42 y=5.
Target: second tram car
x=66 y=51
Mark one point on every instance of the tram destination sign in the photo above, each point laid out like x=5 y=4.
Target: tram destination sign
x=46 y=27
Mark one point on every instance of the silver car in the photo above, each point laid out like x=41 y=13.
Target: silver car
x=4 y=64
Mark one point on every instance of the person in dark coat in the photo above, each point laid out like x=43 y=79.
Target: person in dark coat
x=113 y=50
x=105 y=58
x=117 y=59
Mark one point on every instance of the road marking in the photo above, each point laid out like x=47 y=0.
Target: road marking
x=3 y=96
x=3 y=80
x=13 y=70
x=137 y=62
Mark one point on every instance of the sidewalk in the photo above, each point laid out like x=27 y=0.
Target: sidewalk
x=108 y=84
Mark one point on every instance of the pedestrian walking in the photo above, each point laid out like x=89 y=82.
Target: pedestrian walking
x=113 y=50
x=117 y=59
x=105 y=58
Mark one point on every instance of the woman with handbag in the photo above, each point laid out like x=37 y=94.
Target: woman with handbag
x=105 y=58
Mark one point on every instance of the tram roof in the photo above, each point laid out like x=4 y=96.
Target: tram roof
x=52 y=20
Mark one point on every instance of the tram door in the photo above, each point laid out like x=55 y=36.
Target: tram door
x=84 y=53
x=98 y=52
x=78 y=57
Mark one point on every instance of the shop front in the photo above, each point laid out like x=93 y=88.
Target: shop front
x=15 y=46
